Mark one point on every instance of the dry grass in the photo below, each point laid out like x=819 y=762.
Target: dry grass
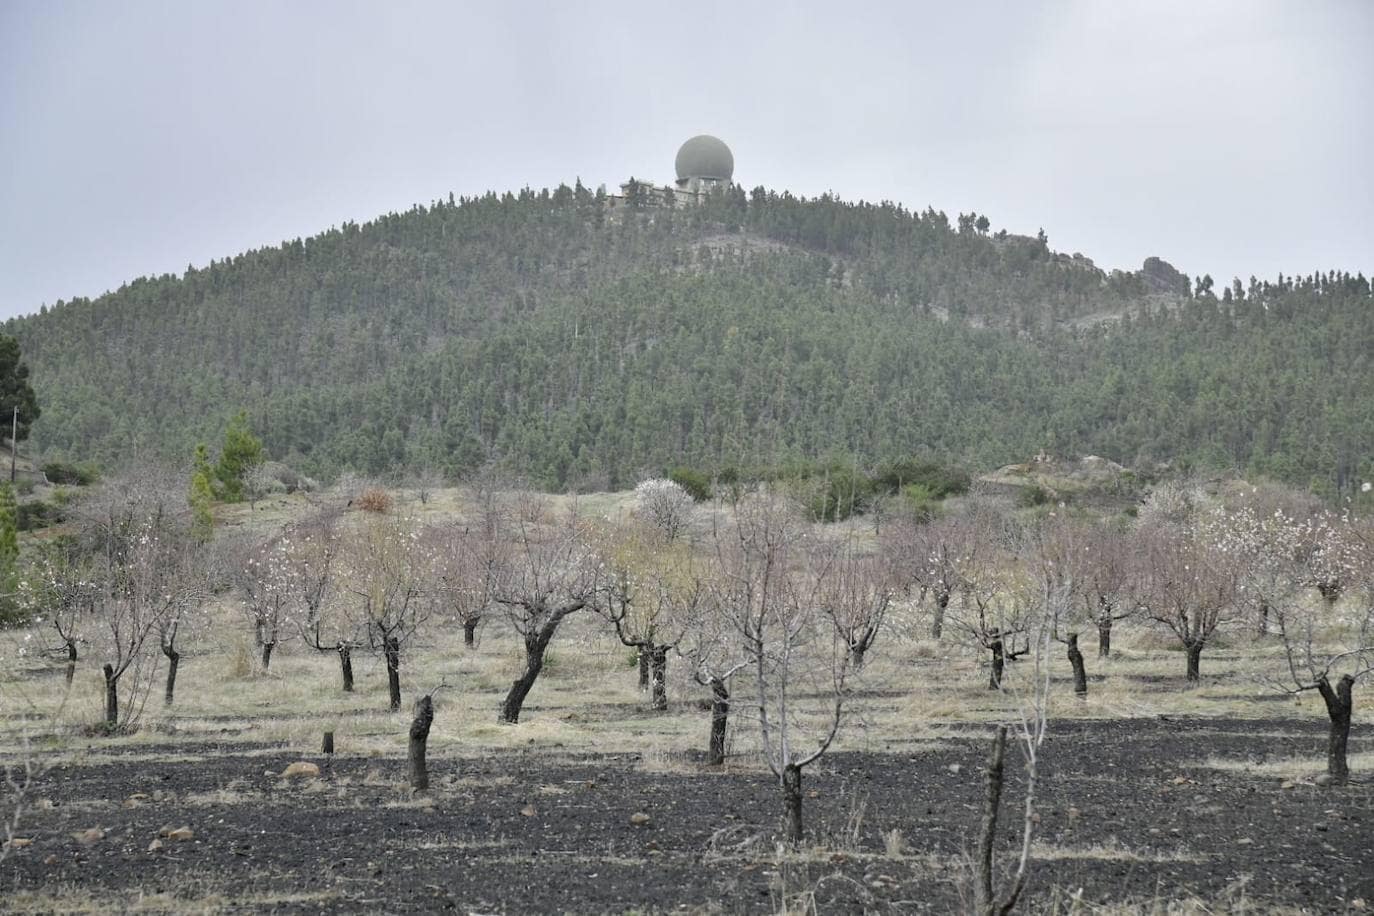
x=1287 y=768
x=1110 y=851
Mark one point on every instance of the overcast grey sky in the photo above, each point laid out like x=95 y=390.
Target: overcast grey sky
x=1229 y=137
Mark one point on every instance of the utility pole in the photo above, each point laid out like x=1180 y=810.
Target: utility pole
x=14 y=441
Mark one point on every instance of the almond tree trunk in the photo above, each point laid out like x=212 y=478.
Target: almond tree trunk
x=71 y=661
x=658 y=677
x=1194 y=661
x=1340 y=704
x=111 y=697
x=419 y=738
x=720 y=717
x=173 y=660
x=792 y=803
x=267 y=648
x=1104 y=637
x=470 y=632
x=998 y=663
x=984 y=902
x=391 y=650
x=643 y=668
x=937 y=621
x=1080 y=673
x=346 y=666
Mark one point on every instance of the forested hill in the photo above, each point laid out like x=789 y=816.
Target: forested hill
x=586 y=346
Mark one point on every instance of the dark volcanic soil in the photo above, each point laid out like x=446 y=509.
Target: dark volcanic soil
x=1135 y=791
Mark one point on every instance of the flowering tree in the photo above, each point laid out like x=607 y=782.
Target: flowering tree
x=665 y=505
x=1329 y=550
x=1329 y=655
x=386 y=570
x=311 y=566
x=1192 y=581
x=58 y=590
x=652 y=594
x=141 y=572
x=263 y=577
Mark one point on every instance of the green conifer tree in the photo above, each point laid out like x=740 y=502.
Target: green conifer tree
x=241 y=453
x=9 y=551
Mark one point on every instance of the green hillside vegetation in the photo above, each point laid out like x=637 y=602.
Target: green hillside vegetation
x=587 y=348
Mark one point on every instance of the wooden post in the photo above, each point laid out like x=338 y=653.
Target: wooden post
x=328 y=746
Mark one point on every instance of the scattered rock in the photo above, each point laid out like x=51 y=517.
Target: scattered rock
x=1074 y=814
x=639 y=819
x=1244 y=841
x=1323 y=780
x=1287 y=784
x=51 y=859
x=176 y=833
x=155 y=845
x=955 y=768
x=813 y=793
x=89 y=836
x=529 y=811
x=301 y=768
x=19 y=842
x=1180 y=780
x=133 y=801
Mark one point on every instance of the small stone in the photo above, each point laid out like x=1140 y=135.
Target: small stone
x=1323 y=780
x=1074 y=814
x=19 y=842
x=1358 y=903
x=89 y=836
x=155 y=845
x=301 y=768
x=955 y=768
x=639 y=819
x=1244 y=841
x=176 y=833
x=133 y=801
x=1180 y=780
x=813 y=794
x=1287 y=784
x=51 y=859
x=529 y=811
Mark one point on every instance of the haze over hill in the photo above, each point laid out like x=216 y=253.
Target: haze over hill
x=586 y=345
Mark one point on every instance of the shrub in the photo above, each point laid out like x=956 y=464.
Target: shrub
x=38 y=514
x=374 y=499
x=836 y=493
x=64 y=472
x=939 y=479
x=1032 y=496
x=24 y=486
x=920 y=501
x=697 y=484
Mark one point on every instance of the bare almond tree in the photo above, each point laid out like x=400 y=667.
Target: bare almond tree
x=311 y=584
x=714 y=653
x=768 y=581
x=1029 y=723
x=548 y=572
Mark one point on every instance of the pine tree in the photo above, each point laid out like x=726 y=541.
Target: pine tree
x=241 y=453
x=9 y=549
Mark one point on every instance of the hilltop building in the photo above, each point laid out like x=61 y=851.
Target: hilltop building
x=704 y=164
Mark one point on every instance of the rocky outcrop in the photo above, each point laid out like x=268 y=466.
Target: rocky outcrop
x=1162 y=277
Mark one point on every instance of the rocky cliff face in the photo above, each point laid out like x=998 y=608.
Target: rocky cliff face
x=1162 y=277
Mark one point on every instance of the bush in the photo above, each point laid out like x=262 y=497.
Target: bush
x=1032 y=496
x=64 y=472
x=38 y=514
x=920 y=501
x=940 y=480
x=374 y=499
x=697 y=484
x=836 y=493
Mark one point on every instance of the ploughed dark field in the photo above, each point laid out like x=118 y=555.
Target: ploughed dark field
x=1131 y=810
